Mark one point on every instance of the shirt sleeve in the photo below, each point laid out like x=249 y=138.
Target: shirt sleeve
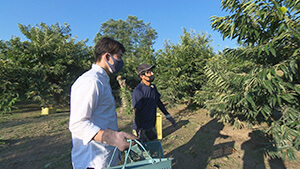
x=162 y=107
x=84 y=98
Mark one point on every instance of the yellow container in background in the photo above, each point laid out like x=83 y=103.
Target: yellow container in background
x=159 y=126
x=47 y=110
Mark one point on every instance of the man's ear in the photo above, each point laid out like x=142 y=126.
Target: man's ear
x=106 y=57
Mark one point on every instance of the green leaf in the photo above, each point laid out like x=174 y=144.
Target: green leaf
x=280 y=28
x=273 y=51
x=297 y=89
x=268 y=85
x=266 y=111
x=267 y=50
x=250 y=100
x=269 y=76
x=287 y=97
x=259 y=51
x=232 y=29
x=285 y=70
x=292 y=66
x=291 y=154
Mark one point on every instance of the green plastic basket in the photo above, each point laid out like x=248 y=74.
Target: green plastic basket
x=149 y=163
x=154 y=148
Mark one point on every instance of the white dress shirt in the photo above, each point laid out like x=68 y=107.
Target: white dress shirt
x=92 y=108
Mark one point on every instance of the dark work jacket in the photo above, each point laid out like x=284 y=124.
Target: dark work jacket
x=144 y=100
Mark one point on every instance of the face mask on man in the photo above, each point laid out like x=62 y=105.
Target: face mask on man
x=151 y=78
x=116 y=66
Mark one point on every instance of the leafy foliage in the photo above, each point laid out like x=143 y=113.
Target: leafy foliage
x=137 y=38
x=43 y=68
x=180 y=67
x=10 y=77
x=267 y=89
x=8 y=96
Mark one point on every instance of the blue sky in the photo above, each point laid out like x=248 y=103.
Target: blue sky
x=167 y=17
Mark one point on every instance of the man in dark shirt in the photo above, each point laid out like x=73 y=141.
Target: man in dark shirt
x=145 y=99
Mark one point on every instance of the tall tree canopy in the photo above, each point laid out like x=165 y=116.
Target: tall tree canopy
x=44 y=67
x=180 y=67
x=137 y=38
x=260 y=82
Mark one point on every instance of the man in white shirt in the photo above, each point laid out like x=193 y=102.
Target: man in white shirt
x=93 y=118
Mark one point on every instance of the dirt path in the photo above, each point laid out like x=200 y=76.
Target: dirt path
x=29 y=140
x=200 y=141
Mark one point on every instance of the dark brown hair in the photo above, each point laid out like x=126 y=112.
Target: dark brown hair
x=109 y=45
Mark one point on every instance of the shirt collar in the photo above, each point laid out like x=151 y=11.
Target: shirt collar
x=151 y=85
x=100 y=70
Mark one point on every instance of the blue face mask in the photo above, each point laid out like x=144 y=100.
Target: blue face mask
x=116 y=66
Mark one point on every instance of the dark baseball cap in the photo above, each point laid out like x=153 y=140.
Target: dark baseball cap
x=144 y=68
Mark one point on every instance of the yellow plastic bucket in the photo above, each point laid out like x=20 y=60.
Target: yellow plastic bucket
x=159 y=126
x=47 y=110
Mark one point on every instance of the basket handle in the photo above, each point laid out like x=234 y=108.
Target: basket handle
x=127 y=153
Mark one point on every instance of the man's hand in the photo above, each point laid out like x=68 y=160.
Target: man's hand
x=140 y=135
x=117 y=139
x=170 y=118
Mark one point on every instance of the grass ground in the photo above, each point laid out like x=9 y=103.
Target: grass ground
x=30 y=140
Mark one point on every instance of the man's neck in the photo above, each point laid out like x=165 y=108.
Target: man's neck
x=146 y=83
x=101 y=64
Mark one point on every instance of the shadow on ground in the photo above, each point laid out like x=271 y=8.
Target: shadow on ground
x=36 y=142
x=40 y=152
x=197 y=152
x=169 y=130
x=254 y=150
x=202 y=148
